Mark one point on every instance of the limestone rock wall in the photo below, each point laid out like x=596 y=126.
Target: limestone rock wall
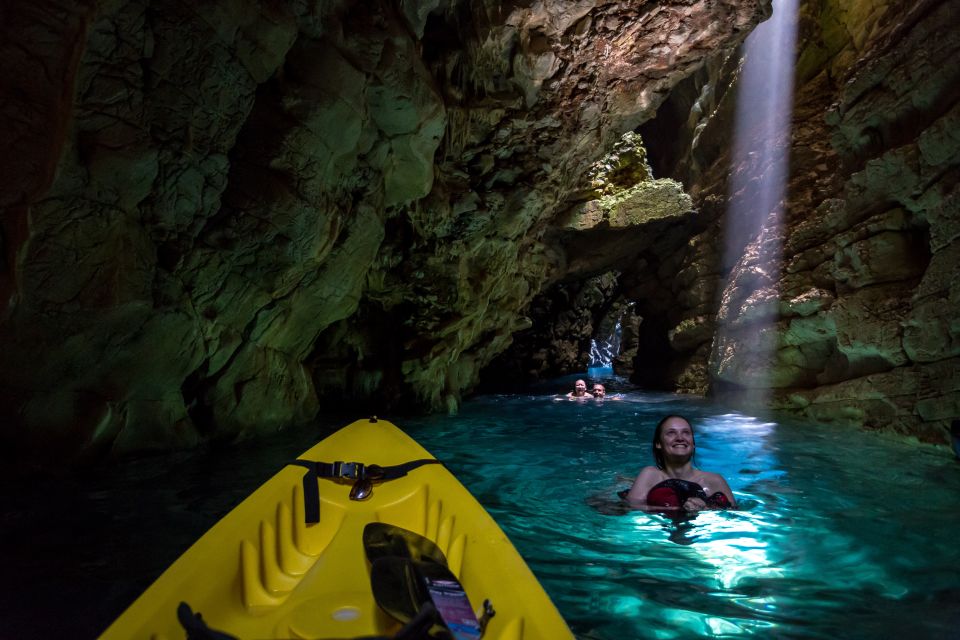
x=214 y=214
x=216 y=217
x=857 y=319
x=864 y=315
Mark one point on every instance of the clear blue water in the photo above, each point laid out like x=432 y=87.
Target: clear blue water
x=843 y=534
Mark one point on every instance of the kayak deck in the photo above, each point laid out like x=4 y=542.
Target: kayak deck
x=263 y=572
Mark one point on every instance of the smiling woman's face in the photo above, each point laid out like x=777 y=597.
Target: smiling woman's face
x=676 y=437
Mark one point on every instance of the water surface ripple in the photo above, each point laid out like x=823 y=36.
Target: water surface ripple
x=841 y=534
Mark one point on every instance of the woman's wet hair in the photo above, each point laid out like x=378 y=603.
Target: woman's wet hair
x=658 y=452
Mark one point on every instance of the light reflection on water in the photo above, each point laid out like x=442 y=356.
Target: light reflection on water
x=841 y=533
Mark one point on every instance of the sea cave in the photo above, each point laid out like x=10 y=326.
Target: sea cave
x=225 y=220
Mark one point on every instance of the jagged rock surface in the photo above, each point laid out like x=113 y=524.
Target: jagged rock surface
x=216 y=217
x=215 y=214
x=867 y=321
x=857 y=321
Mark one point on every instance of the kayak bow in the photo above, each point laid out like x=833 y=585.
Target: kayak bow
x=263 y=571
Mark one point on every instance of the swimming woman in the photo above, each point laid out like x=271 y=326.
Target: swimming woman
x=674 y=483
x=579 y=390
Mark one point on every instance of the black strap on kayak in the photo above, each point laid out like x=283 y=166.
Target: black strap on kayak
x=311 y=492
x=357 y=472
x=196 y=627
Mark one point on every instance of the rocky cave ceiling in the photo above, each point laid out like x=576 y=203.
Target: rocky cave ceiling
x=217 y=215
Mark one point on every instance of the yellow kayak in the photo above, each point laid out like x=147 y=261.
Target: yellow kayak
x=267 y=570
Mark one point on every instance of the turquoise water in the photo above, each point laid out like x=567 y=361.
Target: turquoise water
x=842 y=534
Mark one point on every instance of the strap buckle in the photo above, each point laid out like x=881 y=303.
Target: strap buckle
x=348 y=470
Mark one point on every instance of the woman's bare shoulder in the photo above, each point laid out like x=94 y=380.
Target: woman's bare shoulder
x=650 y=471
x=711 y=479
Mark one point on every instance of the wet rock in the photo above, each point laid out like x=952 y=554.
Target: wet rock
x=214 y=217
x=865 y=250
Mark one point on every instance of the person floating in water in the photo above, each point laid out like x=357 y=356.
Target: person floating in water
x=674 y=483
x=600 y=393
x=579 y=390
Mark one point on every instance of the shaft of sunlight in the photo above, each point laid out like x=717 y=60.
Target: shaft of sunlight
x=753 y=244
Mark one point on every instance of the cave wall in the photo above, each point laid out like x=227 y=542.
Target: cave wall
x=857 y=320
x=215 y=214
x=861 y=310
x=215 y=218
